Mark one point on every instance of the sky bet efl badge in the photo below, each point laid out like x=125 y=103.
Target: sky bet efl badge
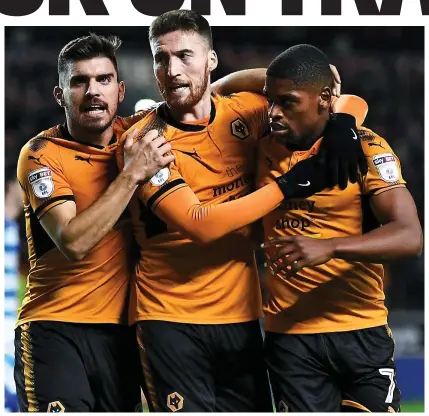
x=386 y=166
x=161 y=177
x=41 y=181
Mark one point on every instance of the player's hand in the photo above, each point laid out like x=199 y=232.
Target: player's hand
x=343 y=151
x=336 y=89
x=305 y=179
x=295 y=252
x=147 y=155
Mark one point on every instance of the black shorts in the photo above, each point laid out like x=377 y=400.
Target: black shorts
x=77 y=367
x=333 y=372
x=204 y=368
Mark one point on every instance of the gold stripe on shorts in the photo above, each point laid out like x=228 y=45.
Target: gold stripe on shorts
x=146 y=370
x=28 y=365
x=356 y=405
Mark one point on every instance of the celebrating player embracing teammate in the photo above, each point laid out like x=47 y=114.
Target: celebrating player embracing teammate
x=328 y=346
x=195 y=294
x=196 y=298
x=73 y=348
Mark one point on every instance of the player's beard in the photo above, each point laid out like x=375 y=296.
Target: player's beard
x=295 y=142
x=196 y=92
x=288 y=139
x=98 y=126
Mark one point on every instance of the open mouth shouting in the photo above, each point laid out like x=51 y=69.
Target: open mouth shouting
x=178 y=88
x=94 y=110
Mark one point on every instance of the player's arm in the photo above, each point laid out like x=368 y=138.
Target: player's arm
x=74 y=234
x=178 y=206
x=203 y=224
x=400 y=235
x=253 y=80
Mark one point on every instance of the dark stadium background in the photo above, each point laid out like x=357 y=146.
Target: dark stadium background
x=384 y=65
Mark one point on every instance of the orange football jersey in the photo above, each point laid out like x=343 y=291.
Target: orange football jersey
x=339 y=295
x=54 y=168
x=178 y=279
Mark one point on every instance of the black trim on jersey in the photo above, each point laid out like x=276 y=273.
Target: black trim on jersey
x=153 y=225
x=51 y=201
x=369 y=220
x=42 y=243
x=163 y=190
x=162 y=112
x=66 y=135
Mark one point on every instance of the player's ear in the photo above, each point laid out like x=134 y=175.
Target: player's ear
x=121 y=91
x=213 y=61
x=59 y=96
x=325 y=98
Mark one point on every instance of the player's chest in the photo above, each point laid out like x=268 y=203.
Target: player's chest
x=326 y=214
x=332 y=210
x=215 y=163
x=89 y=174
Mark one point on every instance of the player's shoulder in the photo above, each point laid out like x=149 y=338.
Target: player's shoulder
x=143 y=121
x=39 y=153
x=244 y=100
x=372 y=143
x=44 y=141
x=125 y=123
x=367 y=135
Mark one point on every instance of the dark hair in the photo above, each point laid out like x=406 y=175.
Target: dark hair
x=88 y=47
x=184 y=20
x=304 y=65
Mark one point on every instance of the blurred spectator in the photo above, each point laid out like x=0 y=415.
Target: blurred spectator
x=13 y=208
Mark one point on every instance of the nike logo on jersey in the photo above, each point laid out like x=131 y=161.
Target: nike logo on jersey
x=82 y=159
x=305 y=184
x=193 y=154
x=355 y=137
x=36 y=160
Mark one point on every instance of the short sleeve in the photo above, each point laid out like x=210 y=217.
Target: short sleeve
x=161 y=185
x=384 y=167
x=41 y=175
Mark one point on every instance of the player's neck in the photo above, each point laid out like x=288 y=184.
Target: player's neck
x=198 y=112
x=96 y=139
x=308 y=142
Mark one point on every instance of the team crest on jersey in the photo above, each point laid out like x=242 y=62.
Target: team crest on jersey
x=160 y=177
x=41 y=182
x=239 y=129
x=175 y=401
x=56 y=407
x=386 y=166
